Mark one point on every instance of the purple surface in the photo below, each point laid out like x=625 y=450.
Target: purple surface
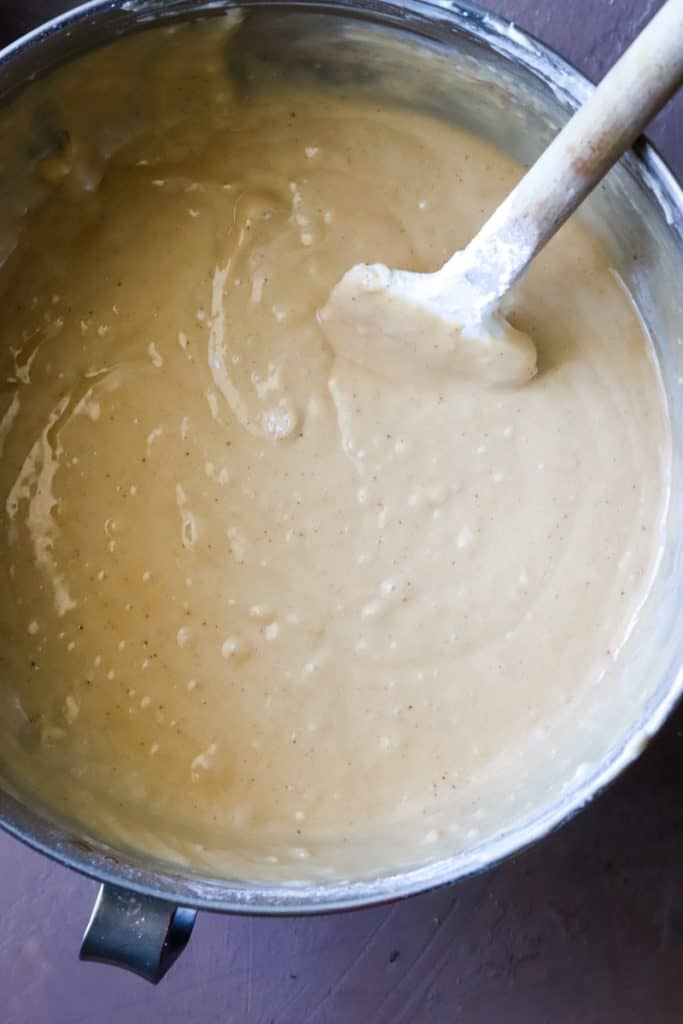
x=584 y=928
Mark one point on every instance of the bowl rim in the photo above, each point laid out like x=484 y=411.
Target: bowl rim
x=156 y=879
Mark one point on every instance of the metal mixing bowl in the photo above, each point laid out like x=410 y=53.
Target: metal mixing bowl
x=458 y=63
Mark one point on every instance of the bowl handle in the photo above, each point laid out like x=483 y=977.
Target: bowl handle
x=141 y=933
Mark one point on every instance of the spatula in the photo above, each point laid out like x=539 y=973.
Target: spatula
x=406 y=325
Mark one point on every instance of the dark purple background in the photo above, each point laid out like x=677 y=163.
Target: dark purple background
x=585 y=928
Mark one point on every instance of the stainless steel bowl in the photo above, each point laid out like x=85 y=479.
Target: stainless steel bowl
x=459 y=63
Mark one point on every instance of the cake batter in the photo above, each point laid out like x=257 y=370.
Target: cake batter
x=264 y=612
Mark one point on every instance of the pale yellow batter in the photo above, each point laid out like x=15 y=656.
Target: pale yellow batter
x=261 y=610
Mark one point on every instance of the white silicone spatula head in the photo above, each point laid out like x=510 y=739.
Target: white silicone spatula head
x=398 y=323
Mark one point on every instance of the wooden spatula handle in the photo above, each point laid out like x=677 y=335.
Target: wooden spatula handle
x=631 y=93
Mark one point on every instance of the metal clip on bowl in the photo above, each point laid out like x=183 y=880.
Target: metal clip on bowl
x=143 y=934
